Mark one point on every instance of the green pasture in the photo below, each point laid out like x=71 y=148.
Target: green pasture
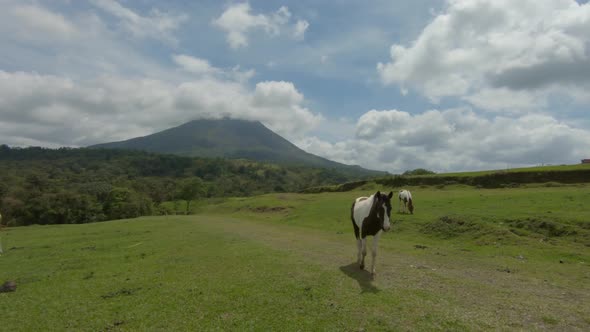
x=545 y=168
x=468 y=259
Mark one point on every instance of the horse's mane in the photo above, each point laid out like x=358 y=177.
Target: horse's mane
x=373 y=210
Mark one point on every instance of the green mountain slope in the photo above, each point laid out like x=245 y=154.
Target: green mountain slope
x=228 y=138
x=64 y=186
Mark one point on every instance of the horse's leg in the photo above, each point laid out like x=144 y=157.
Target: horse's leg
x=374 y=253
x=364 y=252
x=359 y=250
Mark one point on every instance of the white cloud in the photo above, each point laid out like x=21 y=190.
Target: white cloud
x=454 y=139
x=507 y=101
x=80 y=44
x=428 y=130
x=36 y=24
x=476 y=49
x=202 y=67
x=62 y=111
x=299 y=29
x=240 y=75
x=284 y=105
x=193 y=64
x=238 y=21
x=348 y=152
x=156 y=25
x=271 y=94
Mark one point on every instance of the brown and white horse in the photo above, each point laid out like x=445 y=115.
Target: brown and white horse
x=405 y=201
x=370 y=216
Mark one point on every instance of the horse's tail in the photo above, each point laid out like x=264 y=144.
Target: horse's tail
x=354 y=226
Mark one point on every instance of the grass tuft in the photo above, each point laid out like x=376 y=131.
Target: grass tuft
x=543 y=226
x=452 y=226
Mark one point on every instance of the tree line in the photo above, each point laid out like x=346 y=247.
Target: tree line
x=73 y=186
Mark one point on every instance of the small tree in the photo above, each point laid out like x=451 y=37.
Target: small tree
x=13 y=210
x=190 y=189
x=126 y=203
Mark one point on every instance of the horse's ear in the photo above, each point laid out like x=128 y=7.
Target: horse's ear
x=390 y=194
x=378 y=194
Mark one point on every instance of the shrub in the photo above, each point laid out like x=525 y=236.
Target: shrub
x=418 y=171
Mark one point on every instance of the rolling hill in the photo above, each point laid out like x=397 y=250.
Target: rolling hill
x=229 y=138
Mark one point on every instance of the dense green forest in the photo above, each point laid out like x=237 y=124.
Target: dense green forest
x=66 y=186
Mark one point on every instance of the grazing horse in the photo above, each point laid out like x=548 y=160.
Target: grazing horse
x=405 y=201
x=370 y=215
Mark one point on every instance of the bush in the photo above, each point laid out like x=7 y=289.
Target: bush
x=418 y=171
x=126 y=203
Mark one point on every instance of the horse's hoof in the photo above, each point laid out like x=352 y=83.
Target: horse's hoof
x=362 y=266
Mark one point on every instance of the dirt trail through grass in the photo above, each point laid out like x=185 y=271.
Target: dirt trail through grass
x=471 y=289
x=212 y=273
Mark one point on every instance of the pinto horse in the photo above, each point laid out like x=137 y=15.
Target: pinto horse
x=370 y=216
x=405 y=201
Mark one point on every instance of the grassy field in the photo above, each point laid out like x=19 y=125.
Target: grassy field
x=468 y=259
x=547 y=168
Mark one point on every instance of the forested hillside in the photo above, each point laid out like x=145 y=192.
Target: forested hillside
x=47 y=186
x=231 y=139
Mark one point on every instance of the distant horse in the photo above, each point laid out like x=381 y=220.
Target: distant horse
x=405 y=201
x=370 y=215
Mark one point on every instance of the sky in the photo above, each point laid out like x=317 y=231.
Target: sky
x=392 y=85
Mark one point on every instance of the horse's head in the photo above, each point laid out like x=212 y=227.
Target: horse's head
x=411 y=206
x=383 y=208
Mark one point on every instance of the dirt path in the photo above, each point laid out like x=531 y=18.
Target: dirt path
x=474 y=288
